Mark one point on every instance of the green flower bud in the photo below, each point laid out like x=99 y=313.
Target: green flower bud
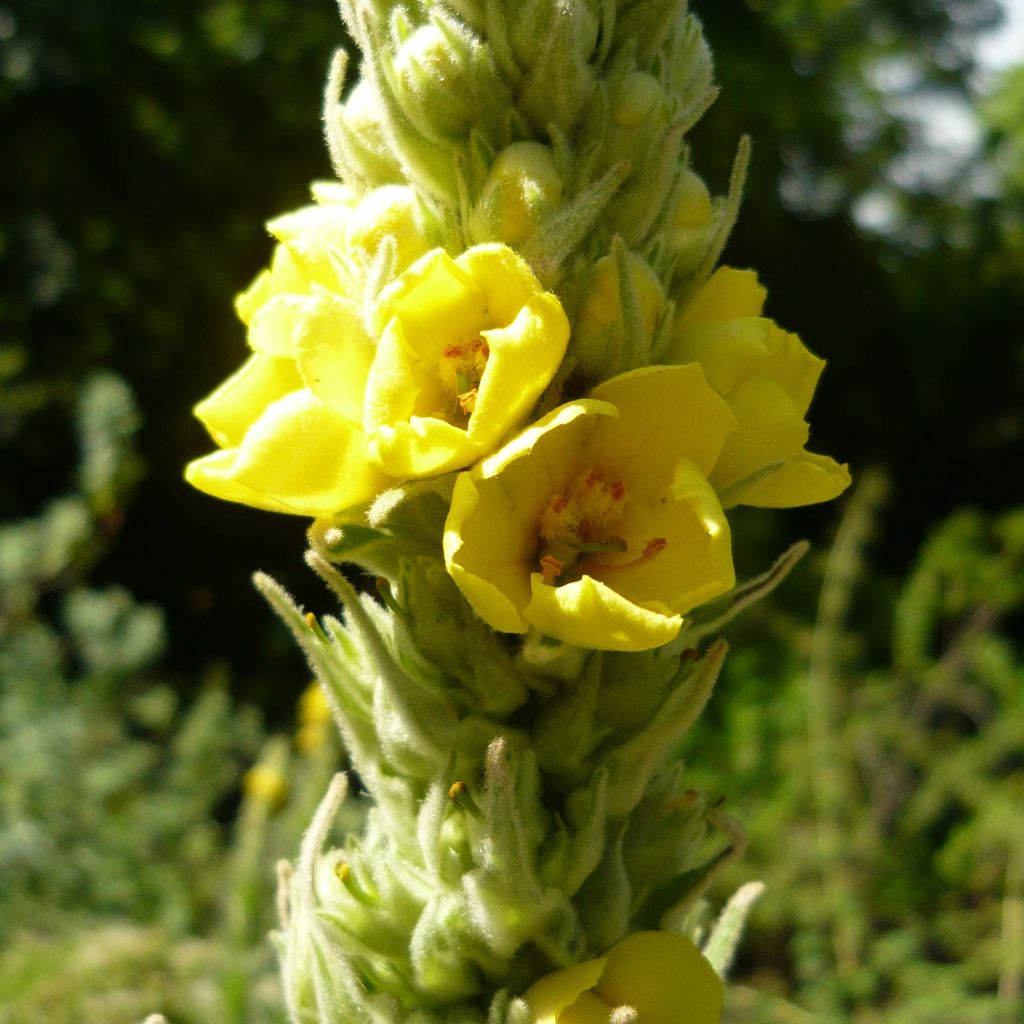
x=433 y=81
x=364 y=140
x=602 y=331
x=521 y=187
x=641 y=101
x=530 y=27
x=691 y=212
x=556 y=42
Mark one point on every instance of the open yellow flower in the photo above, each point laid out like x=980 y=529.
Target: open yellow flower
x=289 y=421
x=596 y=525
x=661 y=975
x=290 y=429
x=466 y=347
x=768 y=378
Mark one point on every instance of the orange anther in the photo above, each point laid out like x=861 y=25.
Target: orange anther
x=453 y=352
x=551 y=568
x=653 y=548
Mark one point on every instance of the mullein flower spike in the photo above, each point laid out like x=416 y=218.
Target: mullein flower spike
x=495 y=363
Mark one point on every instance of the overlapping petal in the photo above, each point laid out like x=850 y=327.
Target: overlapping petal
x=466 y=347
x=768 y=378
x=661 y=975
x=596 y=525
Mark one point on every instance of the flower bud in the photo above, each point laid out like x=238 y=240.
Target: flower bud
x=641 y=101
x=365 y=141
x=600 y=335
x=434 y=82
x=531 y=24
x=521 y=187
x=691 y=212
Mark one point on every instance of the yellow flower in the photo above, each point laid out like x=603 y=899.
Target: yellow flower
x=314 y=719
x=265 y=784
x=465 y=348
x=289 y=421
x=661 y=975
x=768 y=378
x=597 y=525
x=290 y=427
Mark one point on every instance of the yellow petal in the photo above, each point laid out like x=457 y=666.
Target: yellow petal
x=555 y=992
x=272 y=327
x=504 y=278
x=771 y=429
x=588 y=613
x=696 y=563
x=420 y=446
x=803 y=479
x=299 y=457
x=523 y=359
x=726 y=295
x=436 y=301
x=333 y=352
x=326 y=193
x=490 y=535
x=314 y=237
x=665 y=977
x=491 y=601
x=260 y=291
x=388 y=212
x=587 y=1009
x=229 y=411
x=667 y=413
x=734 y=350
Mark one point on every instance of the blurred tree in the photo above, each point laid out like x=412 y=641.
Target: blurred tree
x=883 y=790
x=145 y=144
x=878 y=239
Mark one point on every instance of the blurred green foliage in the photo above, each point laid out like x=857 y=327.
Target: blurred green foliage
x=145 y=144
x=125 y=888
x=885 y=795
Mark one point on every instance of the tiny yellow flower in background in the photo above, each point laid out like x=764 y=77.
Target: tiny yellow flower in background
x=768 y=378
x=315 y=719
x=596 y=525
x=465 y=348
x=265 y=784
x=660 y=975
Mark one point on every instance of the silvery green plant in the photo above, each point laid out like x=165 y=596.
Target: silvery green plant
x=514 y=807
x=521 y=809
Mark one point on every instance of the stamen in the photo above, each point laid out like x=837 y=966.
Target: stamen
x=551 y=568
x=461 y=370
x=467 y=401
x=651 y=550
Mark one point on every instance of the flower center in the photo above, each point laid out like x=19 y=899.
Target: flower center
x=575 y=530
x=461 y=368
